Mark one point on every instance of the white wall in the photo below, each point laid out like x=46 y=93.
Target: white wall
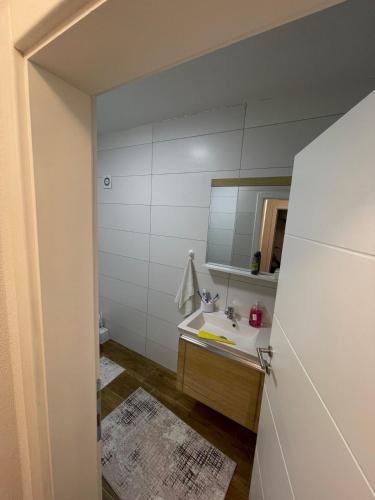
x=158 y=208
x=316 y=435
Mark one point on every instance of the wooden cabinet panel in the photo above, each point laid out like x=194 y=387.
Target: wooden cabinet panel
x=224 y=384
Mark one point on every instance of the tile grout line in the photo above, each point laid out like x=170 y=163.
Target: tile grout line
x=286 y=122
x=149 y=238
x=156 y=205
x=228 y=130
x=193 y=172
x=122 y=304
x=150 y=234
x=123 y=281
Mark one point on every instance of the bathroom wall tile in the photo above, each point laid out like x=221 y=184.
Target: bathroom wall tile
x=134 y=160
x=299 y=106
x=324 y=313
x=185 y=189
x=207 y=122
x=267 y=172
x=303 y=423
x=275 y=481
x=130 y=137
x=182 y=222
x=128 y=244
x=123 y=268
x=163 y=333
x=203 y=153
x=277 y=145
x=162 y=355
x=125 y=316
x=174 y=251
x=123 y=292
x=128 y=190
x=242 y=297
x=127 y=338
x=251 y=282
x=162 y=306
x=128 y=217
x=165 y=278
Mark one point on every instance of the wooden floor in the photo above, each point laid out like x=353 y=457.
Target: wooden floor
x=232 y=439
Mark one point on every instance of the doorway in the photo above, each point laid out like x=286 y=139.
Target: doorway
x=40 y=82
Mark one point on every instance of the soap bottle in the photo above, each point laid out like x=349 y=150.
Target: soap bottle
x=256 y=316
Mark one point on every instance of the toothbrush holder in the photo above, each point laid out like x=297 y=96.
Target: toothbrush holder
x=208 y=307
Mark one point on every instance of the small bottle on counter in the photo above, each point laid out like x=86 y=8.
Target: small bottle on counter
x=255 y=263
x=256 y=316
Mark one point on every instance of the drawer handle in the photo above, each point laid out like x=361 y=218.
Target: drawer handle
x=266 y=365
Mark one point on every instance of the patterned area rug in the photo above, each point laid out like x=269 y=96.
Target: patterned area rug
x=149 y=453
x=108 y=371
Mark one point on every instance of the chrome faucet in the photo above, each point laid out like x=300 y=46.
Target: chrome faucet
x=229 y=313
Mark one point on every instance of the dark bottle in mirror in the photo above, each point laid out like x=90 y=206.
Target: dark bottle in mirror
x=255 y=263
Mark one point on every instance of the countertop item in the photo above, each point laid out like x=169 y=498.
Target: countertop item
x=207 y=335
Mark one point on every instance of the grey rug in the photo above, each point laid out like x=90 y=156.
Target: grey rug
x=149 y=453
x=108 y=371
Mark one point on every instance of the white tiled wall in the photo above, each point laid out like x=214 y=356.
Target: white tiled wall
x=157 y=210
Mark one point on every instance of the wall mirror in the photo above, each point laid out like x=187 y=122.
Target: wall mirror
x=247 y=215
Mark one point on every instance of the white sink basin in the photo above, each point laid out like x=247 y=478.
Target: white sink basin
x=247 y=338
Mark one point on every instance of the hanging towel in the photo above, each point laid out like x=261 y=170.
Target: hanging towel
x=185 y=295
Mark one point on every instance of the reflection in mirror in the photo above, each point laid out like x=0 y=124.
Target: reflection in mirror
x=271 y=239
x=246 y=216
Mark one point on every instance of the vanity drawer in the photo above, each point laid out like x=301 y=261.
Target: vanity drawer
x=226 y=385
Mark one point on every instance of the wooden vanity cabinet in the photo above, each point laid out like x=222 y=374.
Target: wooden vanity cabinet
x=226 y=383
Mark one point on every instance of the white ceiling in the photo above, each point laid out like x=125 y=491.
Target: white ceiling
x=333 y=49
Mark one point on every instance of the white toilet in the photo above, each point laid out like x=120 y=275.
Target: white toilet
x=103 y=334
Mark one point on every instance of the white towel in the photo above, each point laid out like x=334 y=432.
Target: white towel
x=185 y=295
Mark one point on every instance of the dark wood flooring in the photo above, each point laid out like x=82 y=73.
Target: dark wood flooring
x=231 y=438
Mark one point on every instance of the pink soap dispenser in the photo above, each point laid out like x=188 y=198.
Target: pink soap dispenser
x=256 y=316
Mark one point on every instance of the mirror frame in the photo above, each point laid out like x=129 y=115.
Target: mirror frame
x=252 y=181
